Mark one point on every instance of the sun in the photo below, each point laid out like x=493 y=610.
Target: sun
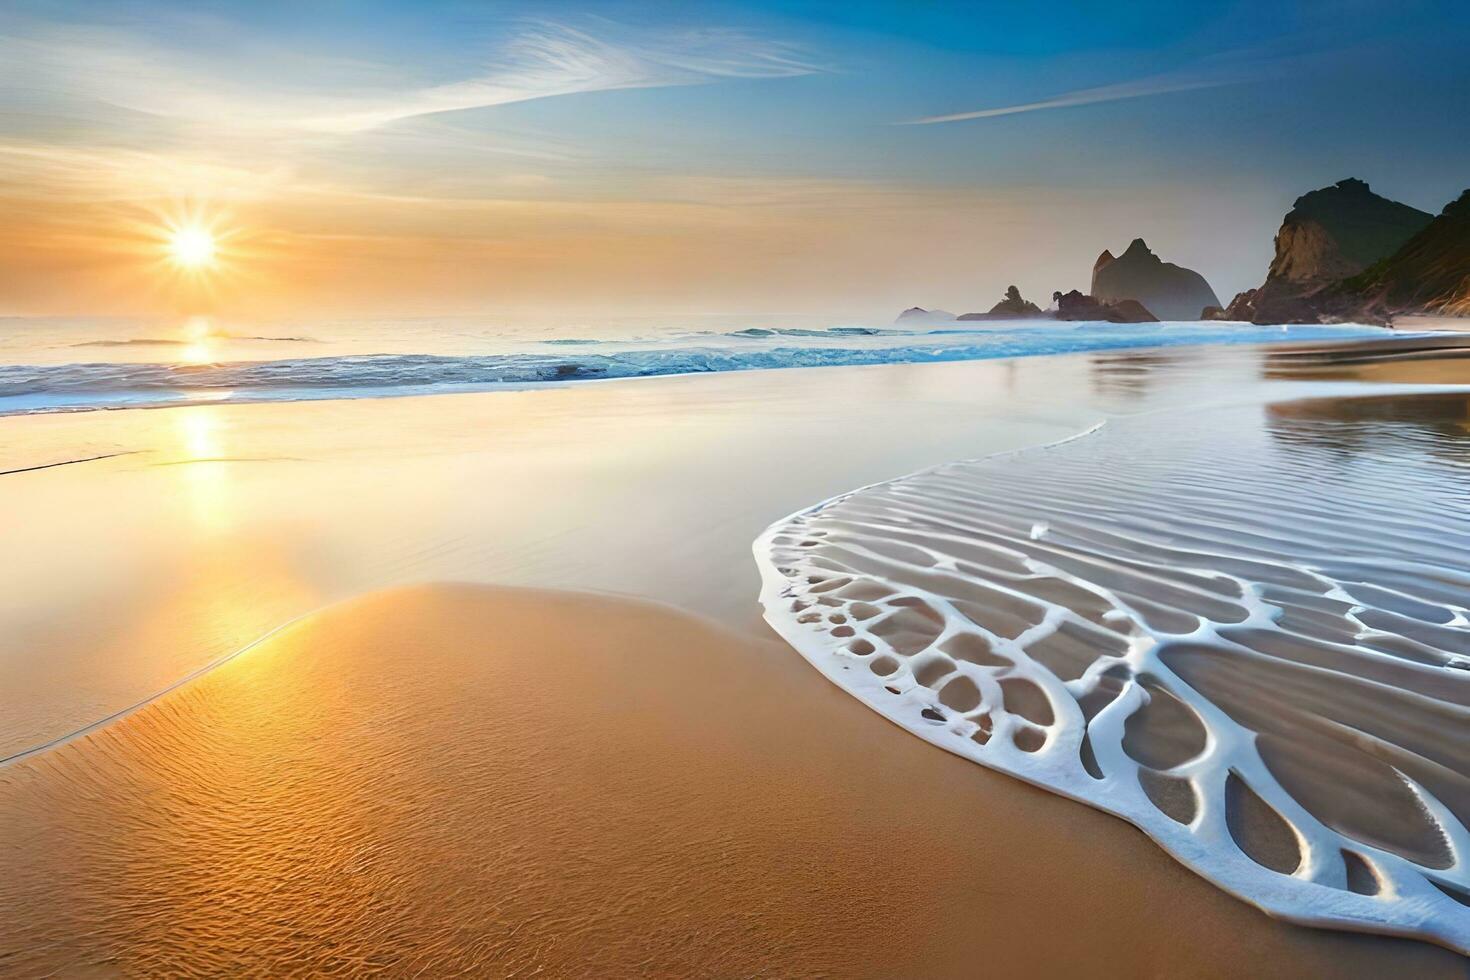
x=193 y=252
x=192 y=247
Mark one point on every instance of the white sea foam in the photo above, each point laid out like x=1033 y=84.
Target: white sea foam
x=1237 y=630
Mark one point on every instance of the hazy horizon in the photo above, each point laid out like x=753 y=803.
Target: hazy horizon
x=582 y=158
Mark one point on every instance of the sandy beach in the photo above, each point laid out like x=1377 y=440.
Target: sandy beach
x=506 y=782
x=734 y=489
x=517 y=780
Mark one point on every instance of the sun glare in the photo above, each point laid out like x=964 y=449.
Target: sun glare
x=194 y=253
x=192 y=247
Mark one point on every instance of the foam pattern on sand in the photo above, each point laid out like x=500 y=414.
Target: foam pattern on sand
x=1245 y=631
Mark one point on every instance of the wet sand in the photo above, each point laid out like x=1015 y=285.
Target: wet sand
x=1244 y=630
x=511 y=782
x=222 y=522
x=148 y=543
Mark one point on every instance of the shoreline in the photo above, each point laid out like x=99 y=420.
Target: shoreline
x=225 y=543
x=872 y=559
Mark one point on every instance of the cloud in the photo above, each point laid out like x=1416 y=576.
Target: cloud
x=272 y=89
x=555 y=60
x=1136 y=89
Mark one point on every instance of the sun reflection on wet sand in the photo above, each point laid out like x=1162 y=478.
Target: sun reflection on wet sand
x=606 y=487
x=275 y=507
x=207 y=480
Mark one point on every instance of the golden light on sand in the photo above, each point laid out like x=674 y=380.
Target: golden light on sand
x=192 y=247
x=207 y=481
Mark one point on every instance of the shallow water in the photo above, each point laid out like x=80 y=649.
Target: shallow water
x=1243 y=629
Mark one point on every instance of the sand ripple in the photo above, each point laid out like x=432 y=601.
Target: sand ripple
x=1243 y=630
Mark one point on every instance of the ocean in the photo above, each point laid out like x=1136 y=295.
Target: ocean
x=78 y=364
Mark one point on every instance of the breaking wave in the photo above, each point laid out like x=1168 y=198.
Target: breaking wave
x=31 y=388
x=1243 y=630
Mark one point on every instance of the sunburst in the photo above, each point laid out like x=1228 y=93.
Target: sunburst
x=192 y=247
x=195 y=241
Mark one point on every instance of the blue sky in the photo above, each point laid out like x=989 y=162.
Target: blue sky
x=712 y=156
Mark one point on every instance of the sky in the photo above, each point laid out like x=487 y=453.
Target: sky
x=404 y=157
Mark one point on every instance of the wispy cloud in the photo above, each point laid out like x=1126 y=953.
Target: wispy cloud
x=1186 y=81
x=101 y=114
x=554 y=60
x=540 y=61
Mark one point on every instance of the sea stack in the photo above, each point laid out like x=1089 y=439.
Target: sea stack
x=1169 y=291
x=1013 y=307
x=1076 y=306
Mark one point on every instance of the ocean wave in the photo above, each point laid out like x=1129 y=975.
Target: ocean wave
x=758 y=332
x=26 y=389
x=1248 y=635
x=176 y=342
x=134 y=342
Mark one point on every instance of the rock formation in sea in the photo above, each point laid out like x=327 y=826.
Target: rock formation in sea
x=1170 y=291
x=1329 y=235
x=1013 y=307
x=1078 y=306
x=917 y=315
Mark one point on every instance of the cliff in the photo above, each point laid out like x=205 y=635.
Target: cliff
x=1329 y=235
x=1338 y=231
x=1429 y=274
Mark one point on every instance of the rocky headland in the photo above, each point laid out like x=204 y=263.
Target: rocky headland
x=1330 y=235
x=1429 y=274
